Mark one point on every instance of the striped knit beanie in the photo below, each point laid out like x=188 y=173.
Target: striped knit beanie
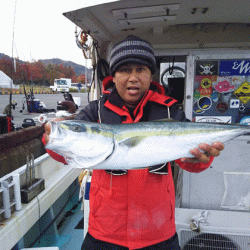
x=132 y=50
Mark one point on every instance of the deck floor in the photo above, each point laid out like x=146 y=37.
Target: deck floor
x=70 y=230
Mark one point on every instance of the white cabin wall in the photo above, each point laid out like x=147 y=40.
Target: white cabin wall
x=198 y=36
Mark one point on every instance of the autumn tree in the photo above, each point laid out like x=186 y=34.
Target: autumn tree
x=6 y=66
x=81 y=79
x=36 y=72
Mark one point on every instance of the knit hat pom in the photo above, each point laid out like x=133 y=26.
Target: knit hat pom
x=132 y=50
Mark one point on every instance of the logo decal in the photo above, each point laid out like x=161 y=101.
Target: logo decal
x=214 y=119
x=222 y=107
x=234 y=104
x=243 y=92
x=224 y=87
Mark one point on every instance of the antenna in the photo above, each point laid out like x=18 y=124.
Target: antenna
x=9 y=116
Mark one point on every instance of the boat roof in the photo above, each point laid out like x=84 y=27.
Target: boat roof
x=177 y=24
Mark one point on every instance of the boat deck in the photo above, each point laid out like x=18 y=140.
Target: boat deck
x=70 y=230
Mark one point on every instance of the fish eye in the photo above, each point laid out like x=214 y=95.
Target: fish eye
x=77 y=128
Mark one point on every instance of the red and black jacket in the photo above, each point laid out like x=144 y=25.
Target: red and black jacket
x=136 y=209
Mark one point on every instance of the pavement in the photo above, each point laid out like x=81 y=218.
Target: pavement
x=49 y=100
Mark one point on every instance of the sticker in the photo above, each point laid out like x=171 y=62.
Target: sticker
x=207 y=68
x=199 y=78
x=234 y=67
x=206 y=88
x=234 y=104
x=224 y=87
x=197 y=95
x=226 y=97
x=214 y=119
x=197 y=109
x=215 y=96
x=243 y=92
x=204 y=103
x=245 y=120
x=222 y=107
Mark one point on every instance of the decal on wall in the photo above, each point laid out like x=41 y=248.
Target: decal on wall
x=243 y=92
x=197 y=110
x=207 y=68
x=245 y=120
x=214 y=119
x=234 y=104
x=234 y=67
x=224 y=87
x=222 y=107
x=206 y=88
x=221 y=89
x=197 y=95
x=244 y=110
x=205 y=103
x=215 y=96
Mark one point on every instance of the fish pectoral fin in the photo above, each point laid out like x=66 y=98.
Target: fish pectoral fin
x=132 y=141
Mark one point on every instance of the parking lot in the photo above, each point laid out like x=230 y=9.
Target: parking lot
x=49 y=100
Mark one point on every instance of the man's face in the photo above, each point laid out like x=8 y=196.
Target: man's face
x=132 y=81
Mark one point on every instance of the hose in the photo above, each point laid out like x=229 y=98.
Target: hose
x=102 y=69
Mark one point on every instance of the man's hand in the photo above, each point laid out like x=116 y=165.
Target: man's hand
x=208 y=151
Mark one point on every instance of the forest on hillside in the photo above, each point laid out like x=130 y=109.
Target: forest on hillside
x=37 y=72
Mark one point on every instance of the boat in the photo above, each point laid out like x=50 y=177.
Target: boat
x=202 y=50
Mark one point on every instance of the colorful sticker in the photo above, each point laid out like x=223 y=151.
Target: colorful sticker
x=205 y=103
x=234 y=67
x=245 y=120
x=215 y=96
x=197 y=95
x=243 y=92
x=207 y=68
x=199 y=78
x=197 y=110
x=224 y=87
x=206 y=88
x=222 y=107
x=214 y=119
x=234 y=104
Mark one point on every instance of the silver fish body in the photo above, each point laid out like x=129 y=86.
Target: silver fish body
x=132 y=146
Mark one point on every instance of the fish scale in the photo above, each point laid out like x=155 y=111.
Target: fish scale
x=137 y=145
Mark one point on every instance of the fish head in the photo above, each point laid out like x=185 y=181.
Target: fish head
x=87 y=141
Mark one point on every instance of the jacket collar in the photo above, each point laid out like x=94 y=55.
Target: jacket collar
x=115 y=103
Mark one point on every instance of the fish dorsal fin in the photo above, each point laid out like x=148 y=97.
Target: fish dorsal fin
x=132 y=141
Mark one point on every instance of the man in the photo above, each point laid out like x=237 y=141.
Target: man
x=79 y=85
x=134 y=209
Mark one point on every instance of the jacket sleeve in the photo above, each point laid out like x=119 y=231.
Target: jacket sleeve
x=89 y=113
x=194 y=167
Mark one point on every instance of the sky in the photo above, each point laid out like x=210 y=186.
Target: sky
x=40 y=29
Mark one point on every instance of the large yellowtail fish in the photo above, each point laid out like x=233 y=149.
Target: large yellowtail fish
x=132 y=146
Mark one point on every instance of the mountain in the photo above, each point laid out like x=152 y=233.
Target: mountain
x=79 y=69
x=8 y=57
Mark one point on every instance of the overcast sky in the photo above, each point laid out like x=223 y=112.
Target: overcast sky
x=40 y=30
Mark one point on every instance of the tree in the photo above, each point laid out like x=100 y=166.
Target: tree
x=36 y=72
x=6 y=66
x=81 y=79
